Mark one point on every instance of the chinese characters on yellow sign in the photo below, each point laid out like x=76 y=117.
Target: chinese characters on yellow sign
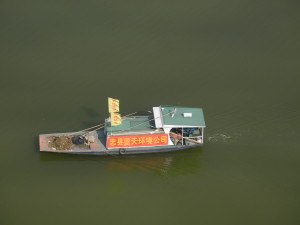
x=116 y=119
x=137 y=141
x=113 y=108
x=113 y=105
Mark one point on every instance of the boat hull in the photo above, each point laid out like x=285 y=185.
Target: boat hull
x=132 y=152
x=99 y=147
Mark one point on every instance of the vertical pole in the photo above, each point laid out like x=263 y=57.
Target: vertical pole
x=182 y=136
x=202 y=128
x=110 y=126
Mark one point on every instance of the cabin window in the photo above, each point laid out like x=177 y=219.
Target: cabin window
x=192 y=134
x=186 y=136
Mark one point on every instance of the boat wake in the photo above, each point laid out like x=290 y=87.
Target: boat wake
x=222 y=138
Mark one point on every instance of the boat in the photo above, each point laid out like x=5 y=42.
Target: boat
x=166 y=129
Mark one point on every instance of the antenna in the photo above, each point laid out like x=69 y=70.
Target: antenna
x=173 y=114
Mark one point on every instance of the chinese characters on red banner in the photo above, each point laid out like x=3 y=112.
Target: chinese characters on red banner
x=137 y=141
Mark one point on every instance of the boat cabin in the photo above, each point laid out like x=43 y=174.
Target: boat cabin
x=184 y=125
x=167 y=126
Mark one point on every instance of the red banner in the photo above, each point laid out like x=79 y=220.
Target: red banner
x=137 y=141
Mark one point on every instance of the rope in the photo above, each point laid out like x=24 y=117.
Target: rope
x=100 y=126
x=145 y=122
x=87 y=129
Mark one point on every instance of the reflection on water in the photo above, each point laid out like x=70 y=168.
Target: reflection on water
x=146 y=164
x=171 y=164
x=163 y=164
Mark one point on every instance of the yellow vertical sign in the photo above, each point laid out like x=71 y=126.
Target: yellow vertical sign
x=113 y=105
x=116 y=119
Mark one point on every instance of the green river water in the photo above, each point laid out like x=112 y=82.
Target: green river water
x=238 y=60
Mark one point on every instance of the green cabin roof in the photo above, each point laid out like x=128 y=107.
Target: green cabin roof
x=178 y=119
x=129 y=124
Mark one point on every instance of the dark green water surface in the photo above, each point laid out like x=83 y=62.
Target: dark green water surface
x=239 y=60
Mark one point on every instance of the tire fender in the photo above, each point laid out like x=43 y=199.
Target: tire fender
x=122 y=151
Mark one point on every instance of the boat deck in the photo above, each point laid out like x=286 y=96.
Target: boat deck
x=133 y=125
